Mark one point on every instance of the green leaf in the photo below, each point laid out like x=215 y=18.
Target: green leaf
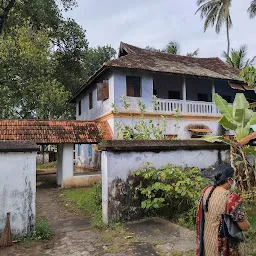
x=227 y=124
x=253 y=118
x=242 y=116
x=240 y=102
x=223 y=106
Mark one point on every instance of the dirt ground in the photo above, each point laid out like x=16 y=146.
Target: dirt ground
x=74 y=236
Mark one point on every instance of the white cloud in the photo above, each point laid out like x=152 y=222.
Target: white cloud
x=154 y=23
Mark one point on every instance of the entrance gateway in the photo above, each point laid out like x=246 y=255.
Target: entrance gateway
x=62 y=133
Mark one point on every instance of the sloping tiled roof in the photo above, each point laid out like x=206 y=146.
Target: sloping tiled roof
x=54 y=132
x=132 y=57
x=137 y=58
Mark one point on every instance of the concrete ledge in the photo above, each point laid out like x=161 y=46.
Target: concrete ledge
x=17 y=146
x=81 y=181
x=159 y=145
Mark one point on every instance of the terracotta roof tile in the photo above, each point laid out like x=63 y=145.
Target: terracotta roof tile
x=54 y=131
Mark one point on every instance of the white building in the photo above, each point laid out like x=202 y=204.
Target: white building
x=179 y=82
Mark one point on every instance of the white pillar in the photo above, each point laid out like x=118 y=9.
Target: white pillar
x=104 y=175
x=213 y=90
x=65 y=164
x=59 y=164
x=68 y=161
x=184 y=95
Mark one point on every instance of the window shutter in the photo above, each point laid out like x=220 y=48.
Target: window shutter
x=130 y=90
x=105 y=90
x=99 y=91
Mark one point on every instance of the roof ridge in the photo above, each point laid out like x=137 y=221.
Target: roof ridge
x=167 y=53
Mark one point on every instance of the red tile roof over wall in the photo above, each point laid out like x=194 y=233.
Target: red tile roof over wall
x=54 y=132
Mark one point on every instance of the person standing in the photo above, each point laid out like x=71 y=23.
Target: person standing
x=216 y=200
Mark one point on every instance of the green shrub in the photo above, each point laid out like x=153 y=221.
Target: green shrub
x=170 y=190
x=42 y=231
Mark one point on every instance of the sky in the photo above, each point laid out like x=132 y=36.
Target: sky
x=156 y=22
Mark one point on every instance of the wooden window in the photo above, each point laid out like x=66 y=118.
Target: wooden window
x=133 y=86
x=90 y=100
x=103 y=90
x=174 y=95
x=99 y=91
x=79 y=108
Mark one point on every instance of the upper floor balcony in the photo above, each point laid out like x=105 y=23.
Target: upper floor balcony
x=188 y=95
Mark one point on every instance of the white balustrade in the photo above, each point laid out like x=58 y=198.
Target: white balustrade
x=187 y=107
x=171 y=106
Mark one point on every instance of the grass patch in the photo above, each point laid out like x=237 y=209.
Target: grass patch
x=251 y=234
x=89 y=201
x=49 y=165
x=42 y=232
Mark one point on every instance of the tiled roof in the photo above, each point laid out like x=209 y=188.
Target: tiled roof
x=46 y=131
x=137 y=58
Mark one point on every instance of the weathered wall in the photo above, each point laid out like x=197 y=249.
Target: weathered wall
x=118 y=161
x=178 y=128
x=18 y=190
x=81 y=181
x=99 y=107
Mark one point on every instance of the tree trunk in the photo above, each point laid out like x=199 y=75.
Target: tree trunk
x=228 y=38
x=4 y=15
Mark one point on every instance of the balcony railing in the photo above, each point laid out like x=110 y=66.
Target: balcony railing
x=168 y=106
x=187 y=107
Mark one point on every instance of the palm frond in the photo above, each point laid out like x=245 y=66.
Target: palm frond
x=252 y=9
x=193 y=54
x=237 y=58
x=228 y=59
x=173 y=47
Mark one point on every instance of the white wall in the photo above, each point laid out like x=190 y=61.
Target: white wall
x=18 y=191
x=146 y=89
x=99 y=107
x=172 y=126
x=117 y=166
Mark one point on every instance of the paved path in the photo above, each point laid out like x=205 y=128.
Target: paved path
x=75 y=237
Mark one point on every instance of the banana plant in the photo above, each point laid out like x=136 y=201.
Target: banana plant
x=237 y=117
x=249 y=75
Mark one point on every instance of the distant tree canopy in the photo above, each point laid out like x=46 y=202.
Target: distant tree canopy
x=44 y=58
x=238 y=58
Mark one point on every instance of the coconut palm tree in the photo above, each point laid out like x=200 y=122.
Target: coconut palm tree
x=174 y=47
x=238 y=58
x=216 y=13
x=252 y=9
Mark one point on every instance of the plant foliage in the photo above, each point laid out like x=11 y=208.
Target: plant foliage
x=249 y=75
x=172 y=190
